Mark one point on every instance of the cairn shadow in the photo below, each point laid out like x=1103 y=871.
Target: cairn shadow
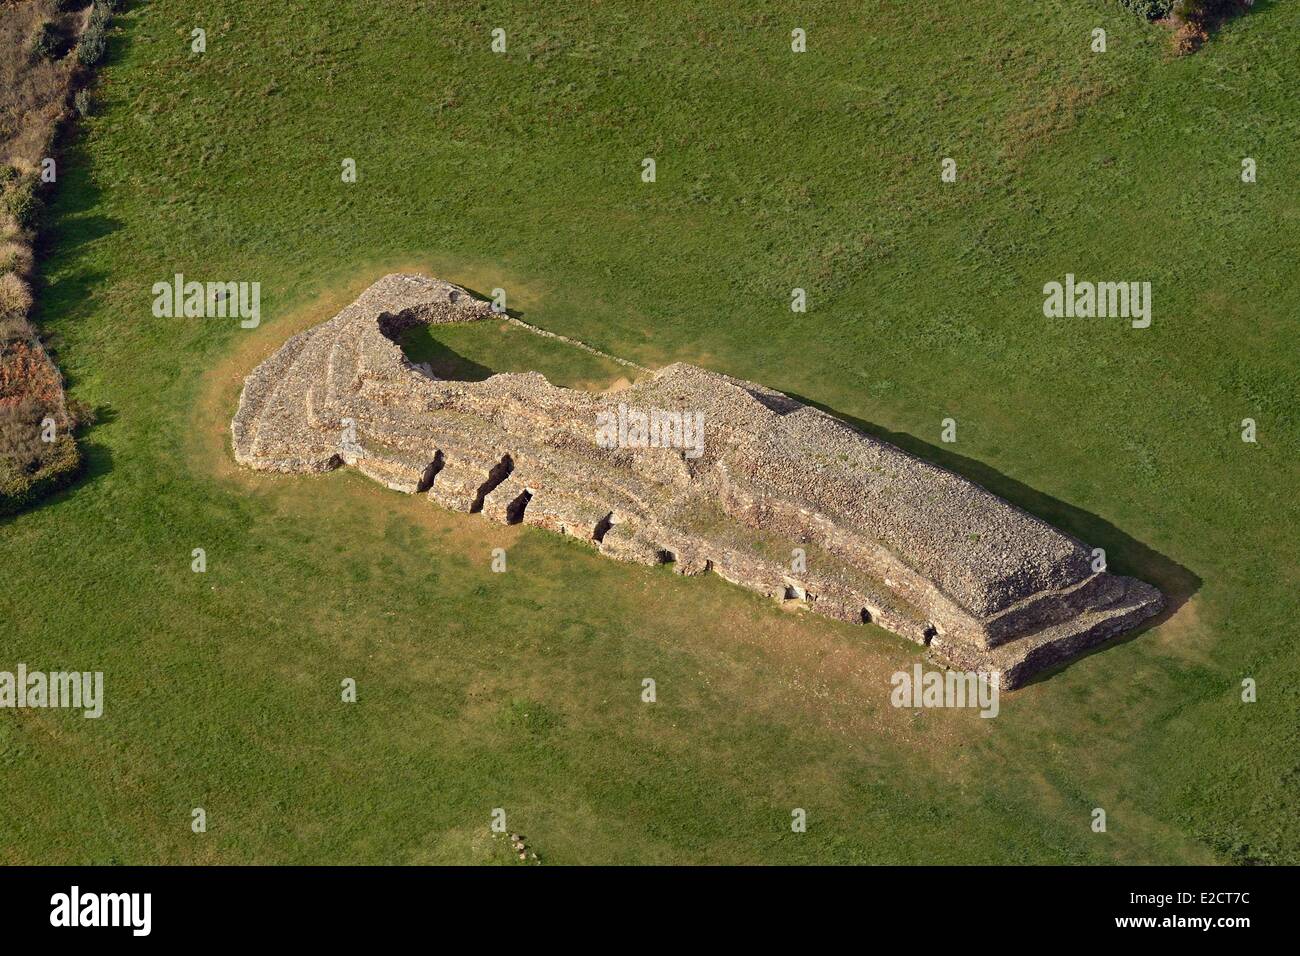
x=419 y=346
x=1125 y=555
x=482 y=297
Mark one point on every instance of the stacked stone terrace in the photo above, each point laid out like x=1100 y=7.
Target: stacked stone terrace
x=889 y=539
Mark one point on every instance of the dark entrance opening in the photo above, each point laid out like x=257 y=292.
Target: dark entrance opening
x=499 y=473
x=430 y=473
x=515 y=510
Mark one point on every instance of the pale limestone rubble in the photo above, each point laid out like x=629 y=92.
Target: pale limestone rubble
x=889 y=539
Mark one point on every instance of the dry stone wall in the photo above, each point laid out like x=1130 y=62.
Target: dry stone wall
x=889 y=539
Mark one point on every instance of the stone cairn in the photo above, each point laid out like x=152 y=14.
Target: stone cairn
x=778 y=497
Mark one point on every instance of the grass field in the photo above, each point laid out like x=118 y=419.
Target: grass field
x=472 y=353
x=774 y=170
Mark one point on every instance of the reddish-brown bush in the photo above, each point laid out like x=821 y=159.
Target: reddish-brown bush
x=1188 y=37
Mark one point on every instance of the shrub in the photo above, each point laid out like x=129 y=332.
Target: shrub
x=27 y=375
x=81 y=103
x=15 y=297
x=20 y=437
x=1188 y=37
x=92 y=46
x=22 y=202
x=30 y=469
x=1151 y=9
x=30 y=392
x=13 y=328
x=81 y=414
x=95 y=40
x=45 y=41
x=16 y=257
x=100 y=14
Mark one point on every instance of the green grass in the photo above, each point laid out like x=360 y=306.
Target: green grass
x=474 y=351
x=522 y=690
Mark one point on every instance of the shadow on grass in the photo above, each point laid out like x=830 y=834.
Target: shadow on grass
x=513 y=313
x=1124 y=554
x=57 y=304
x=419 y=346
x=1223 y=19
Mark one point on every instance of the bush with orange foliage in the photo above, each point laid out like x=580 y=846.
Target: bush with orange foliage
x=1194 y=19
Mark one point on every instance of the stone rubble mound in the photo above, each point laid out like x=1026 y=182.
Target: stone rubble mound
x=888 y=539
